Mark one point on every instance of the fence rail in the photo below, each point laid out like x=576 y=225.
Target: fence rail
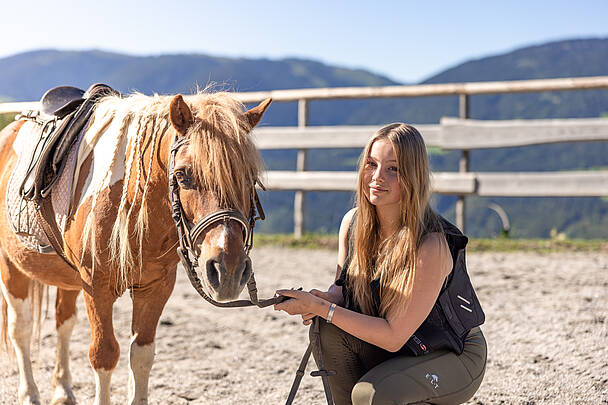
x=451 y=134
x=425 y=90
x=504 y=184
x=459 y=133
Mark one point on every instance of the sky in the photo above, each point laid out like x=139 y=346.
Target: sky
x=407 y=41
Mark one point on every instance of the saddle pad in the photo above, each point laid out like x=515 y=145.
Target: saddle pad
x=22 y=213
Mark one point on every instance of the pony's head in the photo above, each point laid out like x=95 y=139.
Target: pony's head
x=215 y=168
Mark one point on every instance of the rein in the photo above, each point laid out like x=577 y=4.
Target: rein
x=188 y=236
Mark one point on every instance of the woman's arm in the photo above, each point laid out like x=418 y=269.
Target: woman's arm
x=433 y=265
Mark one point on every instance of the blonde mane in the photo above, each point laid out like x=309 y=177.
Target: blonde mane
x=224 y=160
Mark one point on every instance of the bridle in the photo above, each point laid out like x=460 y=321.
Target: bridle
x=188 y=235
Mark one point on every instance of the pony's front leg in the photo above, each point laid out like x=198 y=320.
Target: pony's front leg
x=148 y=303
x=65 y=319
x=104 y=349
x=16 y=288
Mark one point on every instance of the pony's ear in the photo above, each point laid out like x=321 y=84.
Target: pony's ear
x=255 y=114
x=180 y=115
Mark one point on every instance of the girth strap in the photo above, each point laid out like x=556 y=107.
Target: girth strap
x=46 y=219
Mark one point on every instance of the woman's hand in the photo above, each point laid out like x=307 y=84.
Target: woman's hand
x=306 y=304
x=325 y=295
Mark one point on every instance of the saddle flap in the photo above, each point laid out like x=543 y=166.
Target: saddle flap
x=60 y=101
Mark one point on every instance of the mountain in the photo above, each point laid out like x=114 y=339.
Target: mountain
x=26 y=76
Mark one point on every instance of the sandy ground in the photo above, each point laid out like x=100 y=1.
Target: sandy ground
x=546 y=326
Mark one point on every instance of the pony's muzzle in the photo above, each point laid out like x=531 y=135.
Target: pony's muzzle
x=223 y=281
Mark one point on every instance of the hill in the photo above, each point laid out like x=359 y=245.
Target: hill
x=531 y=217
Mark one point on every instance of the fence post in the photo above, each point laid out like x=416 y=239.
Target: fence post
x=463 y=165
x=299 y=203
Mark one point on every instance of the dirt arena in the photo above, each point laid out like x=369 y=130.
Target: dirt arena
x=546 y=327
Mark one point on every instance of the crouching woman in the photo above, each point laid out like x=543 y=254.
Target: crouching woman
x=402 y=319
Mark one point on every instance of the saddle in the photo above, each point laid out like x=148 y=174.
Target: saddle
x=35 y=207
x=64 y=112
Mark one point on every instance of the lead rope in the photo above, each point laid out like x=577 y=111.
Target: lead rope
x=314 y=344
x=185 y=242
x=185 y=238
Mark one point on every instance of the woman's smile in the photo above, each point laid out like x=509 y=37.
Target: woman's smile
x=376 y=189
x=381 y=174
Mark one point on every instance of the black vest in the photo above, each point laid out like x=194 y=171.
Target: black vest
x=456 y=311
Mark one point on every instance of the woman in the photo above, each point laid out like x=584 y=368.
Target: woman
x=402 y=316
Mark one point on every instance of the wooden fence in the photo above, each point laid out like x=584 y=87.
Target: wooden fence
x=460 y=133
x=451 y=134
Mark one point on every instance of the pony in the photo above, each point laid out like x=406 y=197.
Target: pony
x=119 y=232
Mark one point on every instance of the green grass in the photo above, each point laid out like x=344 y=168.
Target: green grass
x=537 y=245
x=330 y=241
x=308 y=241
x=6 y=119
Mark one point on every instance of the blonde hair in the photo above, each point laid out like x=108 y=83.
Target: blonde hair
x=224 y=160
x=224 y=157
x=394 y=259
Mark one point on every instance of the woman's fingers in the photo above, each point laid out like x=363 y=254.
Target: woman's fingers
x=299 y=302
x=314 y=291
x=293 y=305
x=283 y=306
x=320 y=294
x=290 y=293
x=307 y=318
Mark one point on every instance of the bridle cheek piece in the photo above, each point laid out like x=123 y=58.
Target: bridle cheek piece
x=188 y=235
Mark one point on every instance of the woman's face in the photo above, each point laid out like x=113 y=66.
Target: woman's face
x=381 y=175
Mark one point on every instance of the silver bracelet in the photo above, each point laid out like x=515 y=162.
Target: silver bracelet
x=330 y=314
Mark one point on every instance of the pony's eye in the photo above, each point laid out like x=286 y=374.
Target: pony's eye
x=183 y=178
x=180 y=175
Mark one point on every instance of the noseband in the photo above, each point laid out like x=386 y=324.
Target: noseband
x=188 y=235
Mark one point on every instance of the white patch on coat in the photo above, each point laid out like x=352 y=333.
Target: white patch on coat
x=20 y=332
x=102 y=386
x=141 y=359
x=62 y=376
x=102 y=149
x=222 y=240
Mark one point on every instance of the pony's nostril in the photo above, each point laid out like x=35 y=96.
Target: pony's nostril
x=213 y=273
x=246 y=272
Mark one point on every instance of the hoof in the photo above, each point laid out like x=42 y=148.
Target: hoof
x=26 y=400
x=63 y=397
